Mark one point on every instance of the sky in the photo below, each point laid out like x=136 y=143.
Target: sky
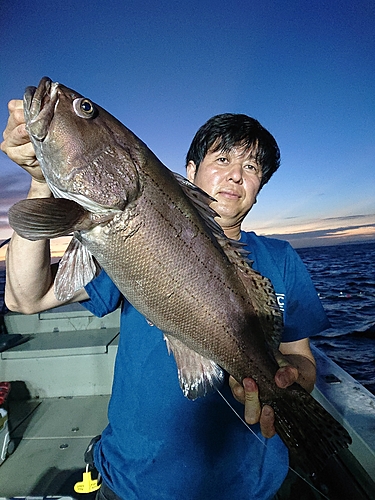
x=305 y=69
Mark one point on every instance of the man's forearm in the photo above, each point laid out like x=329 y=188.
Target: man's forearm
x=29 y=274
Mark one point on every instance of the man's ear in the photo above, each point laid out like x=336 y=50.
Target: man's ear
x=191 y=170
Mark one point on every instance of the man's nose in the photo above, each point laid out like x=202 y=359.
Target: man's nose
x=235 y=172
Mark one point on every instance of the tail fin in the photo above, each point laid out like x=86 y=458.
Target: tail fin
x=308 y=430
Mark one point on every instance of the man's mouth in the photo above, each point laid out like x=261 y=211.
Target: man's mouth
x=229 y=194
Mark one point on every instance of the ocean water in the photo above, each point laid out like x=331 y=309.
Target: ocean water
x=344 y=276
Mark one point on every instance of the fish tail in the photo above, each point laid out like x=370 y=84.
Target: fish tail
x=311 y=434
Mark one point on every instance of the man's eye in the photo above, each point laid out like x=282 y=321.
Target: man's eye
x=222 y=159
x=253 y=168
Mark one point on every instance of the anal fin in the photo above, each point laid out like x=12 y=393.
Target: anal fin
x=197 y=375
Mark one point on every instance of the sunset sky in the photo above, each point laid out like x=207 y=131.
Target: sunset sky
x=305 y=69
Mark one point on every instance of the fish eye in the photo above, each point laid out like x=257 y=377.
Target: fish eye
x=84 y=108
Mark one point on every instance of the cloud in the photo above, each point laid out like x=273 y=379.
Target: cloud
x=330 y=236
x=350 y=217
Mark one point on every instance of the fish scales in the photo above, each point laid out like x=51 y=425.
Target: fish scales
x=180 y=306
x=156 y=237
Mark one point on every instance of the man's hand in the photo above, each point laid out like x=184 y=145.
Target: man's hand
x=247 y=394
x=297 y=364
x=17 y=143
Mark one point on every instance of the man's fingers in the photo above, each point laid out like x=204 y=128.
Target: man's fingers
x=281 y=359
x=237 y=390
x=253 y=411
x=252 y=403
x=267 y=422
x=16 y=119
x=15 y=104
x=286 y=376
x=248 y=394
x=15 y=136
x=16 y=144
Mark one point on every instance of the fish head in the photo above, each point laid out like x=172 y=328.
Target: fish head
x=84 y=152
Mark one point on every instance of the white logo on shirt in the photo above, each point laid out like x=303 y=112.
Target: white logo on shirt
x=281 y=300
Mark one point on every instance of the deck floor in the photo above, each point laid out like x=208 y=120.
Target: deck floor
x=50 y=438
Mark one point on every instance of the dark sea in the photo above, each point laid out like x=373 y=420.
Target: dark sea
x=344 y=276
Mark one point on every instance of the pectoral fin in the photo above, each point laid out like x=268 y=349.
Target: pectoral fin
x=44 y=218
x=197 y=375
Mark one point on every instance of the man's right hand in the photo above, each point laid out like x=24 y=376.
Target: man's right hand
x=17 y=143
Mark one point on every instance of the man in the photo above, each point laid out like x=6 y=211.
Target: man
x=159 y=445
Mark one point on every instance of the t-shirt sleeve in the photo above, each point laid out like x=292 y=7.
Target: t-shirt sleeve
x=304 y=313
x=104 y=295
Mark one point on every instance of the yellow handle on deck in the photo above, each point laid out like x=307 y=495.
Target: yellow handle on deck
x=87 y=485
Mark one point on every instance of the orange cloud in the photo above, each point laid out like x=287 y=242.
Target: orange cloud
x=362 y=232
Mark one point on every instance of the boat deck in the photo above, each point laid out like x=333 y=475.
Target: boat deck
x=61 y=381
x=50 y=437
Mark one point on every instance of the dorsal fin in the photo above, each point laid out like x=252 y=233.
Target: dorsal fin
x=264 y=301
x=201 y=201
x=259 y=288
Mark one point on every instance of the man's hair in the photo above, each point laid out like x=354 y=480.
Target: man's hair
x=224 y=132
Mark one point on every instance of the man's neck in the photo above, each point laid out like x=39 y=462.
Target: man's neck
x=233 y=233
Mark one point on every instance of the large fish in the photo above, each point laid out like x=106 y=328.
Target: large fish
x=156 y=237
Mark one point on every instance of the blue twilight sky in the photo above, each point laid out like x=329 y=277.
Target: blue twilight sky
x=305 y=69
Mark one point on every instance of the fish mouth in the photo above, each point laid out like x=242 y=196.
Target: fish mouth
x=39 y=107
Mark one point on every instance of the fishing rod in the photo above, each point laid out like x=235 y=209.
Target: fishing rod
x=5 y=242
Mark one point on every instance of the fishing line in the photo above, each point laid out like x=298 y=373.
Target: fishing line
x=242 y=420
x=264 y=444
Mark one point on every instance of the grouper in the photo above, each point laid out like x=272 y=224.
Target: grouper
x=155 y=235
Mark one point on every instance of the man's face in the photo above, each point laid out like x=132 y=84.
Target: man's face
x=233 y=178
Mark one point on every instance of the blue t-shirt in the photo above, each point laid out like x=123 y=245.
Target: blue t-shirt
x=159 y=445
